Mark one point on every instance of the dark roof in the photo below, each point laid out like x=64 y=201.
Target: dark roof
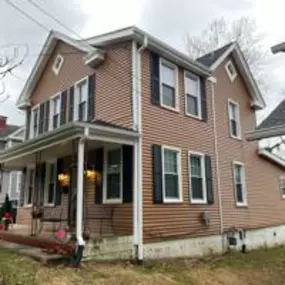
x=275 y=118
x=8 y=130
x=210 y=58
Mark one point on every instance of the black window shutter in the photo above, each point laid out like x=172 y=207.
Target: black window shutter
x=41 y=119
x=63 y=104
x=209 y=179
x=154 y=71
x=71 y=104
x=23 y=187
x=99 y=160
x=42 y=183
x=46 y=120
x=157 y=174
x=203 y=99
x=128 y=169
x=91 y=97
x=28 y=123
x=59 y=169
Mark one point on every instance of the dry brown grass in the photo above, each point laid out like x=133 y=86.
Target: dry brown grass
x=261 y=267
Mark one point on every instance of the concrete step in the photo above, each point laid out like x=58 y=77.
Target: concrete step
x=33 y=252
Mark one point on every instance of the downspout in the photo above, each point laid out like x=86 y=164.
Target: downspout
x=138 y=151
x=79 y=201
x=216 y=149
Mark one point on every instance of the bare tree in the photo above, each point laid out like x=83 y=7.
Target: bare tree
x=220 y=32
x=9 y=61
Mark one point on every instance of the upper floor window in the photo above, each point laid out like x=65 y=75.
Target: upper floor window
x=193 y=95
x=171 y=170
x=234 y=120
x=81 y=89
x=231 y=71
x=239 y=181
x=282 y=186
x=168 y=90
x=35 y=121
x=197 y=178
x=113 y=181
x=57 y=64
x=55 y=112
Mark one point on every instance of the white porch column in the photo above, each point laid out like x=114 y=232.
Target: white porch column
x=79 y=200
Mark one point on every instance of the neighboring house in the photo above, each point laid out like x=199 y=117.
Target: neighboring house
x=165 y=137
x=10 y=135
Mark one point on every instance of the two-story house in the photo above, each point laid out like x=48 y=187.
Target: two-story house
x=10 y=135
x=128 y=137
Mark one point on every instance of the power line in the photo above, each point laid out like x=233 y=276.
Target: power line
x=53 y=18
x=27 y=15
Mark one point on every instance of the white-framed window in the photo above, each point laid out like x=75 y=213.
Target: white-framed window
x=35 y=121
x=81 y=100
x=197 y=177
x=50 y=183
x=171 y=169
x=234 y=119
x=57 y=64
x=113 y=175
x=282 y=185
x=169 y=85
x=239 y=183
x=29 y=186
x=54 y=121
x=193 y=95
x=231 y=70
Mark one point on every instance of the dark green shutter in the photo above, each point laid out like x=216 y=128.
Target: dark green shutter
x=128 y=169
x=99 y=160
x=59 y=169
x=91 y=97
x=28 y=123
x=71 y=104
x=46 y=119
x=42 y=118
x=203 y=99
x=154 y=73
x=209 y=179
x=63 y=105
x=157 y=174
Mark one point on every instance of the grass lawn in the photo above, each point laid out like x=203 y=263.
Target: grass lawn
x=265 y=266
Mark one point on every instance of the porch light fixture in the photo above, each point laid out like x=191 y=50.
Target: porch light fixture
x=92 y=175
x=64 y=179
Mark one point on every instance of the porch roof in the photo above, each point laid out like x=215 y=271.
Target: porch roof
x=96 y=130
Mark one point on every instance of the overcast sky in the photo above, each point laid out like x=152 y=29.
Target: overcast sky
x=169 y=20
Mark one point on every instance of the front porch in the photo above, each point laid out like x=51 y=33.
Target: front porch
x=78 y=182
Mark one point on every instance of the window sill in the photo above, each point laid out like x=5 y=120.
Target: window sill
x=176 y=110
x=199 y=202
x=49 y=205
x=27 y=206
x=235 y=138
x=199 y=118
x=241 y=205
x=113 y=201
x=172 y=201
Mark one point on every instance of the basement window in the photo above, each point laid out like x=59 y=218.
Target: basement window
x=231 y=71
x=57 y=64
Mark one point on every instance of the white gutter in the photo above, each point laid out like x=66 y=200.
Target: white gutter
x=138 y=193
x=271 y=156
x=265 y=133
x=214 y=81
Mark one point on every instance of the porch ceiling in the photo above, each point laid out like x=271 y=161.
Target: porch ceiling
x=58 y=143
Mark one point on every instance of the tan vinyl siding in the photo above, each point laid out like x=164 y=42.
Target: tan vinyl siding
x=265 y=206
x=165 y=127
